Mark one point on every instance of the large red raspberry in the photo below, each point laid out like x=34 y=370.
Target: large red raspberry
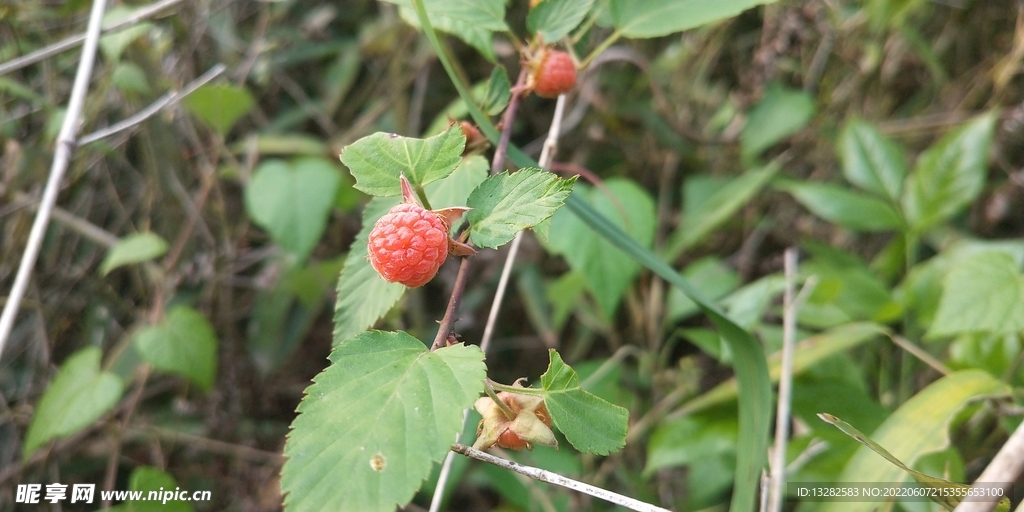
x=555 y=74
x=408 y=245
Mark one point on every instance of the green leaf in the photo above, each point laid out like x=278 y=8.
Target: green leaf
x=704 y=211
x=780 y=113
x=607 y=270
x=473 y=21
x=755 y=405
x=709 y=275
x=220 y=106
x=499 y=91
x=146 y=479
x=507 y=203
x=377 y=160
x=691 y=440
x=983 y=293
x=455 y=189
x=554 y=19
x=183 y=343
x=134 y=248
x=947 y=500
x=871 y=161
x=589 y=423
x=79 y=395
x=113 y=44
x=373 y=422
x=128 y=77
x=655 y=18
x=293 y=201
x=845 y=207
x=949 y=175
x=919 y=426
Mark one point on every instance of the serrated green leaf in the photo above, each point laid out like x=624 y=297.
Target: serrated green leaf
x=79 y=394
x=607 y=270
x=373 y=423
x=780 y=113
x=292 y=201
x=949 y=175
x=589 y=423
x=183 y=343
x=919 y=426
x=219 y=105
x=499 y=91
x=845 y=207
x=505 y=204
x=134 y=248
x=983 y=293
x=376 y=161
x=871 y=161
x=146 y=479
x=703 y=212
x=554 y=19
x=473 y=21
x=655 y=18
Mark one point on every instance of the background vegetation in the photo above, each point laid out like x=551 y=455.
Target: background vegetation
x=883 y=138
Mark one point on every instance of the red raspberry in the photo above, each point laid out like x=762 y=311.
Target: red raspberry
x=408 y=245
x=556 y=74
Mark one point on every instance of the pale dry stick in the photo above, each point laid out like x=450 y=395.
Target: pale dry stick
x=61 y=158
x=492 y=317
x=1003 y=469
x=163 y=102
x=778 y=465
x=557 y=479
x=142 y=14
x=77 y=224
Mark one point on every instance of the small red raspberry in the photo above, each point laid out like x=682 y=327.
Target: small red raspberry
x=408 y=245
x=554 y=75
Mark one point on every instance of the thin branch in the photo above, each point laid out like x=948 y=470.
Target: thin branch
x=163 y=102
x=62 y=156
x=1003 y=470
x=555 y=478
x=778 y=465
x=62 y=46
x=76 y=224
x=498 y=162
x=448 y=320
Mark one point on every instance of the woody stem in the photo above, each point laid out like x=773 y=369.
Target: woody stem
x=448 y=320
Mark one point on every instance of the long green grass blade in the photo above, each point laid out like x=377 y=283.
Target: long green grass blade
x=755 y=399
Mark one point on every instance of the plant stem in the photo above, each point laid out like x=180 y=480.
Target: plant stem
x=513 y=389
x=445 y=328
x=600 y=48
x=65 y=147
x=555 y=478
x=498 y=162
x=778 y=465
x=489 y=389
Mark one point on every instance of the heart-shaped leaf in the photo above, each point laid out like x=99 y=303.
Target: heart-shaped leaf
x=220 y=105
x=292 y=201
x=607 y=270
x=184 y=343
